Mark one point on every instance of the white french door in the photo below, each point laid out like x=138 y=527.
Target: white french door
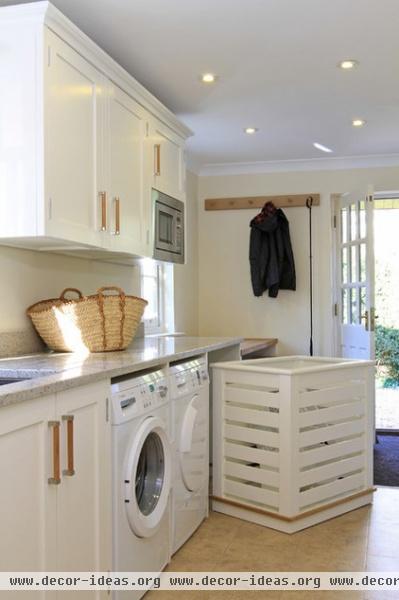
x=354 y=308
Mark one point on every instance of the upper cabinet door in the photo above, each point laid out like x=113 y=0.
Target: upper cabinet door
x=168 y=161
x=125 y=147
x=73 y=114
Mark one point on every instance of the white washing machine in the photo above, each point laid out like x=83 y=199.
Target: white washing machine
x=189 y=388
x=142 y=474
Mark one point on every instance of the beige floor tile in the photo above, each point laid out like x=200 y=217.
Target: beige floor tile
x=191 y=563
x=177 y=595
x=245 y=595
x=223 y=543
x=384 y=507
x=321 y=595
x=383 y=541
x=382 y=563
x=381 y=595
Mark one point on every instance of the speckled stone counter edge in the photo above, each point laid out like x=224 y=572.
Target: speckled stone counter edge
x=50 y=373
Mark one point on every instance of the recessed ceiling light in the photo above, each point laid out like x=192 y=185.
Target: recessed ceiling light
x=358 y=122
x=208 y=78
x=348 y=64
x=321 y=147
x=251 y=130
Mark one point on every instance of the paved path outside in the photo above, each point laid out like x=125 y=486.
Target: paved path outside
x=387 y=408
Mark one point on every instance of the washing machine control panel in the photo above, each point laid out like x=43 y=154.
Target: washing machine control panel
x=137 y=394
x=188 y=376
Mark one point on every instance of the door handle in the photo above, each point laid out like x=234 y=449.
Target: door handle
x=70 y=470
x=157 y=153
x=103 y=200
x=117 y=215
x=373 y=318
x=56 y=478
x=366 y=320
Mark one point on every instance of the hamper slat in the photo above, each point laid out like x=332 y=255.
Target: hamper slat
x=329 y=415
x=256 y=436
x=325 y=434
x=329 y=452
x=335 y=469
x=256 y=417
x=263 y=457
x=332 y=395
x=331 y=490
x=251 y=493
x=253 y=473
x=252 y=396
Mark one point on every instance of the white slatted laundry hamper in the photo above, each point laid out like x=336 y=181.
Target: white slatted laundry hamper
x=292 y=439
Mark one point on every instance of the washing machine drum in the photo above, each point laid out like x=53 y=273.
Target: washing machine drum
x=193 y=444
x=148 y=477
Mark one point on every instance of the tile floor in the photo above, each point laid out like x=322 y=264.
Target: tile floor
x=366 y=539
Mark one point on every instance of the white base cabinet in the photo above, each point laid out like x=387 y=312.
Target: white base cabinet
x=81 y=144
x=56 y=493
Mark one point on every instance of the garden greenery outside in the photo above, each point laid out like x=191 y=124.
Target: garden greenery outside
x=386 y=227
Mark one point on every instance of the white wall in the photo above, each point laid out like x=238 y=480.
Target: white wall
x=27 y=277
x=186 y=276
x=227 y=305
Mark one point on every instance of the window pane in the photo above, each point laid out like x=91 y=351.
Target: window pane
x=150 y=290
x=362 y=219
x=344 y=225
x=362 y=263
x=354 y=313
x=353 y=252
x=345 y=306
x=362 y=301
x=345 y=265
x=353 y=221
x=150 y=293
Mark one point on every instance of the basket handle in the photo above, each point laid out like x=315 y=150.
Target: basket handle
x=78 y=292
x=109 y=288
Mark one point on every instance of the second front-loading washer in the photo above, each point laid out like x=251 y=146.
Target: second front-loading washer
x=142 y=474
x=189 y=385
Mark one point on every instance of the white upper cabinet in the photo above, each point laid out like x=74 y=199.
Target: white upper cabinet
x=73 y=126
x=81 y=142
x=167 y=160
x=125 y=141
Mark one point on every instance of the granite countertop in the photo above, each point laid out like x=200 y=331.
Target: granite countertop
x=54 y=372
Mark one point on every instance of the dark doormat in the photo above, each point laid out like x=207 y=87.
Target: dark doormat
x=386 y=460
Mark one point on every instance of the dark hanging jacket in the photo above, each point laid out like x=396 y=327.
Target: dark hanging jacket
x=270 y=253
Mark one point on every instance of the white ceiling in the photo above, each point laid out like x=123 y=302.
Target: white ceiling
x=276 y=61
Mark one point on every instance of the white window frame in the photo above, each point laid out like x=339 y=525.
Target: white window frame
x=163 y=322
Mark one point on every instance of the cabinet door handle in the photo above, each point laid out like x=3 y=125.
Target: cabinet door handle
x=157 y=152
x=70 y=470
x=56 y=478
x=103 y=200
x=117 y=216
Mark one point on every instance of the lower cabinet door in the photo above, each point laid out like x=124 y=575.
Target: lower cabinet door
x=84 y=541
x=28 y=440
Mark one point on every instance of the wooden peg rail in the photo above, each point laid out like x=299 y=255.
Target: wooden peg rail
x=259 y=201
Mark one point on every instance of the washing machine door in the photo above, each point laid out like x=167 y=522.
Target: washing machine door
x=193 y=444
x=147 y=477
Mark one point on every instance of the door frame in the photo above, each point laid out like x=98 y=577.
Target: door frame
x=335 y=200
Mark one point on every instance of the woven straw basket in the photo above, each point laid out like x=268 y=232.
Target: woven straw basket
x=98 y=323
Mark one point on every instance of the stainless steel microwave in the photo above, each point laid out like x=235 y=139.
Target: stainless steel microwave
x=168 y=228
